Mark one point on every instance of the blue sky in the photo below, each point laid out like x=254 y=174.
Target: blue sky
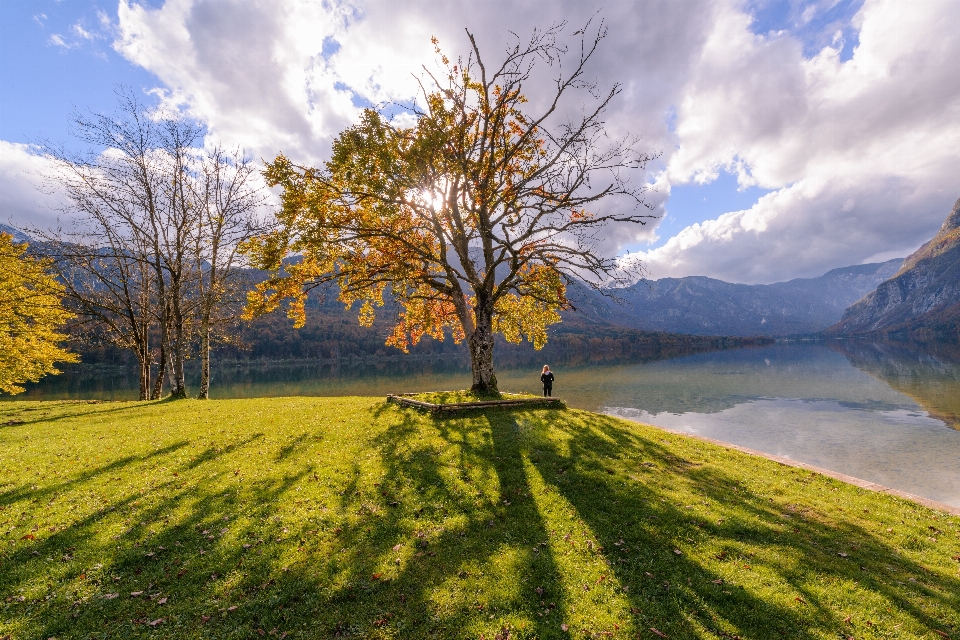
x=802 y=98
x=41 y=82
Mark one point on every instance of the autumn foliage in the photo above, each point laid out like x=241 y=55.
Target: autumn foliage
x=30 y=315
x=475 y=218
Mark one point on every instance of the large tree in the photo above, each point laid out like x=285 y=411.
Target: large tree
x=475 y=218
x=31 y=315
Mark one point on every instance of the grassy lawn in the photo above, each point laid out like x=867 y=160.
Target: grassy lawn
x=349 y=517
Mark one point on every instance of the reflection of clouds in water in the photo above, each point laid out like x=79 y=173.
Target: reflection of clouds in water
x=904 y=448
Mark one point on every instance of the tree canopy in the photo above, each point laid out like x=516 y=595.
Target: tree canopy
x=475 y=218
x=30 y=316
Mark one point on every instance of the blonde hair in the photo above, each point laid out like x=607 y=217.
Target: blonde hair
x=546 y=368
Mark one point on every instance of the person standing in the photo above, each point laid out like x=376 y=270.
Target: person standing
x=547 y=379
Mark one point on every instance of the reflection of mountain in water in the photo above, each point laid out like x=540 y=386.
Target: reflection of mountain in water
x=714 y=382
x=928 y=373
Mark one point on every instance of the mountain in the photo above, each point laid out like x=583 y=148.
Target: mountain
x=922 y=300
x=704 y=306
x=18 y=236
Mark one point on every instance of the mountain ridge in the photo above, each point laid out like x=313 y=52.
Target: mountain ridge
x=922 y=300
x=700 y=305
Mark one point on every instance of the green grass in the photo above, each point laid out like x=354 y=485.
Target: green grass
x=349 y=517
x=450 y=397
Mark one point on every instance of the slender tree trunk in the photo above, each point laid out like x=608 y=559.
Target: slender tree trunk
x=144 y=377
x=178 y=380
x=158 y=383
x=481 y=352
x=178 y=384
x=204 y=359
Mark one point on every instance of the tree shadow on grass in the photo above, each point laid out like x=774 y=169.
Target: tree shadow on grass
x=435 y=533
x=689 y=594
x=27 y=492
x=426 y=527
x=101 y=410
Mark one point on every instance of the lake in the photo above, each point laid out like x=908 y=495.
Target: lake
x=887 y=413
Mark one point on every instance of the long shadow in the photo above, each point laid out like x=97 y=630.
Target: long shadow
x=25 y=493
x=690 y=596
x=151 y=563
x=398 y=532
x=127 y=406
x=213 y=452
x=427 y=533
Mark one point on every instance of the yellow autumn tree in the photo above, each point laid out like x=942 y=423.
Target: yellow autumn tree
x=475 y=218
x=30 y=314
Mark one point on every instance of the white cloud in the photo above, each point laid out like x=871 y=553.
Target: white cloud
x=57 y=40
x=23 y=203
x=83 y=33
x=860 y=154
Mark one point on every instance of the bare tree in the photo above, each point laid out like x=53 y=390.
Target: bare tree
x=106 y=257
x=149 y=213
x=227 y=202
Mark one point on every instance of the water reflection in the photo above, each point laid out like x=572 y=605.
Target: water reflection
x=887 y=418
x=885 y=413
x=930 y=374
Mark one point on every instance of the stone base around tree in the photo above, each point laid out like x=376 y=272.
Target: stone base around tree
x=408 y=400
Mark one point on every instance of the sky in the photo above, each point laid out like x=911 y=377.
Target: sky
x=794 y=136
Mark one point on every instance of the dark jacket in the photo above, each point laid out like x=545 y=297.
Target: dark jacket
x=547 y=378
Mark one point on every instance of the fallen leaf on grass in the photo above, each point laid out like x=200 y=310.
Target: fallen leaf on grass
x=659 y=633
x=376 y=576
x=162 y=601
x=800 y=600
x=156 y=622
x=204 y=619
x=677 y=551
x=843 y=555
x=29 y=536
x=397 y=547
x=848 y=619
x=563 y=627
x=136 y=594
x=181 y=572
x=232 y=608
x=110 y=596
x=941 y=633
x=720 y=581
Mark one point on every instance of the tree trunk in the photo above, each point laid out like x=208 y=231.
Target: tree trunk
x=178 y=382
x=144 y=377
x=481 y=352
x=158 y=383
x=204 y=360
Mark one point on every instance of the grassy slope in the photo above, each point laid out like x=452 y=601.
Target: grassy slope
x=336 y=517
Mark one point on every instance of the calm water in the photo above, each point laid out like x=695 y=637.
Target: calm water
x=889 y=414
